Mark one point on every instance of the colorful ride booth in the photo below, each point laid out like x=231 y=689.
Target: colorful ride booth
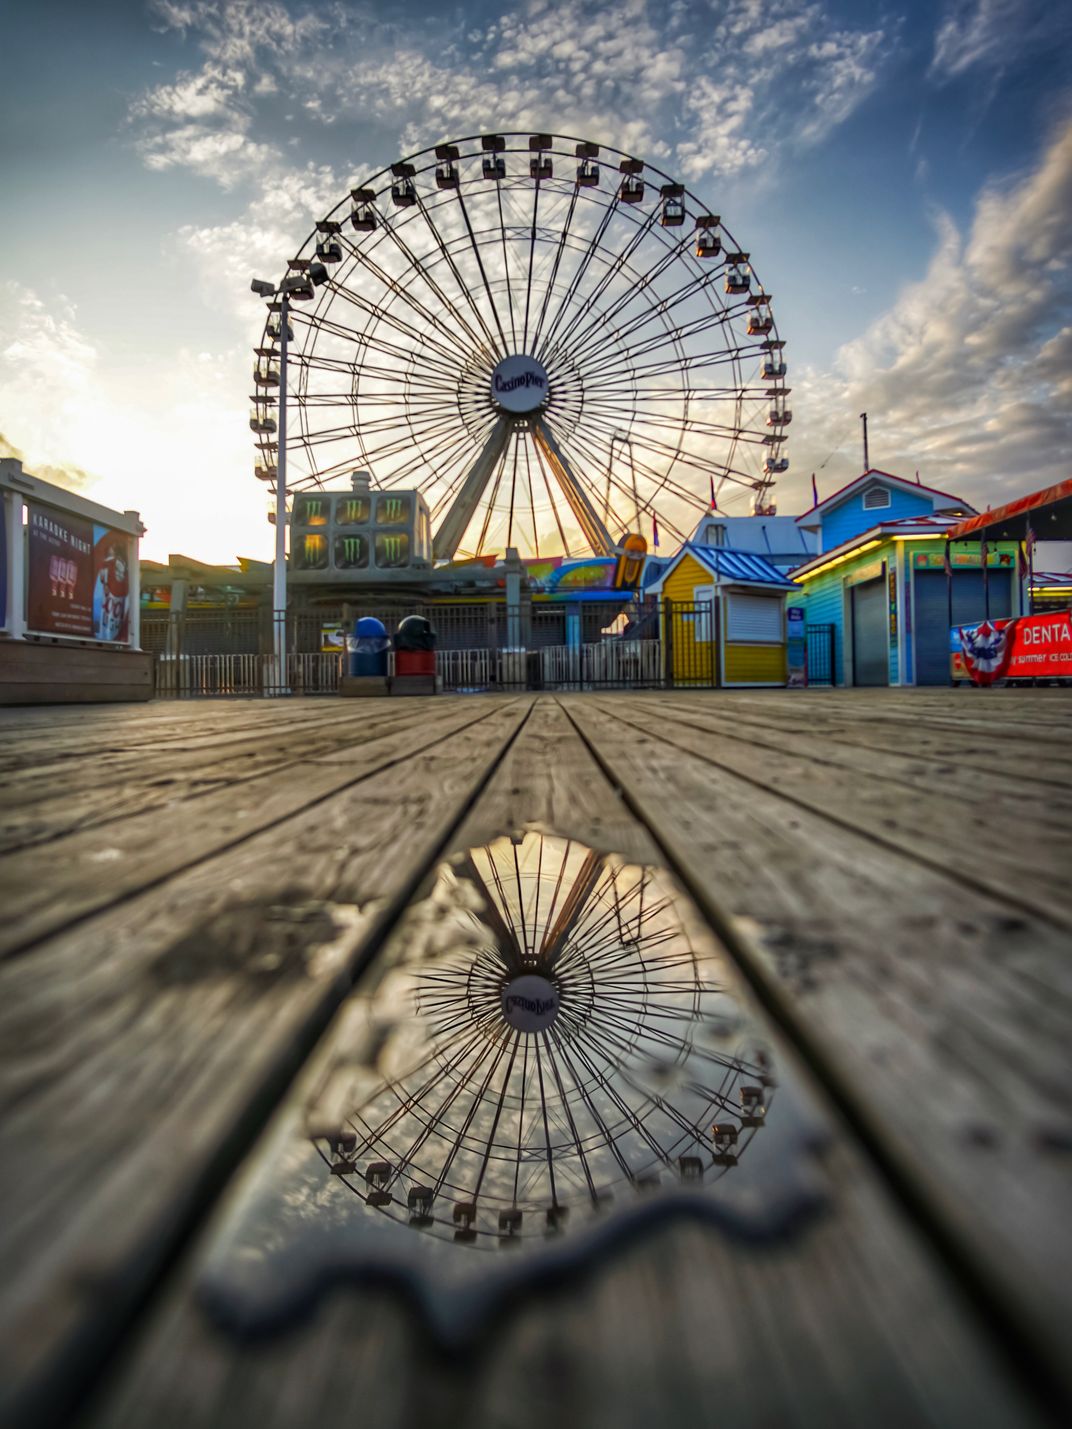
x=69 y=597
x=723 y=618
x=1032 y=644
x=880 y=579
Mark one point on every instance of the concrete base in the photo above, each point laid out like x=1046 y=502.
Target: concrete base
x=363 y=686
x=413 y=685
x=33 y=673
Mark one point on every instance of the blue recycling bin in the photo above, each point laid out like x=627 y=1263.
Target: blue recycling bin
x=368 y=647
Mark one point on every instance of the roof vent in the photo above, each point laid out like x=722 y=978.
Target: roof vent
x=876 y=498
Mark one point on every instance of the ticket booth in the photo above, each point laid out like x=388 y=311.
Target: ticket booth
x=724 y=617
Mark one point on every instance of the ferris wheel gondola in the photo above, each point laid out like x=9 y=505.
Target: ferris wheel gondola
x=487 y=320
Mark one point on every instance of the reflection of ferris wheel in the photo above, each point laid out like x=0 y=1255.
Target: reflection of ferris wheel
x=554 y=343
x=581 y=1048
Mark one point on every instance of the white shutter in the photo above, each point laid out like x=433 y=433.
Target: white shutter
x=754 y=618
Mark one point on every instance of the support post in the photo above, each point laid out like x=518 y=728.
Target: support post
x=279 y=573
x=16 y=565
x=453 y=527
x=592 y=528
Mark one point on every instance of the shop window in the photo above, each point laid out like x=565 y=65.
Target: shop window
x=351 y=552
x=392 y=510
x=311 y=510
x=352 y=511
x=392 y=549
x=312 y=553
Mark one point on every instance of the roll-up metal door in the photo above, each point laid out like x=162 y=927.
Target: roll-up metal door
x=969 y=606
x=755 y=618
x=870 y=659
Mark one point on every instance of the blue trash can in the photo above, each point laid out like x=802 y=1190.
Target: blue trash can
x=368 y=647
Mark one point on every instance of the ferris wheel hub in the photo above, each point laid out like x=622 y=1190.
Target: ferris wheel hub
x=519 y=384
x=530 y=1003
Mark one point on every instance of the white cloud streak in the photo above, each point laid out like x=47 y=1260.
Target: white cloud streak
x=968 y=376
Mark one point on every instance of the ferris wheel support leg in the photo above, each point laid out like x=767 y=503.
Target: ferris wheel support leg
x=463 y=507
x=592 y=528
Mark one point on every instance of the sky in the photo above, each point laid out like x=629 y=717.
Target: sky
x=901 y=175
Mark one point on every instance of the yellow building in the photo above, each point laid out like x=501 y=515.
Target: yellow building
x=724 y=617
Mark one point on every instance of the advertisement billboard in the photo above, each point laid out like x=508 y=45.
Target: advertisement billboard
x=1024 y=648
x=78 y=576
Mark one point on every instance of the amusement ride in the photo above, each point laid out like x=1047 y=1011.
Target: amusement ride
x=554 y=343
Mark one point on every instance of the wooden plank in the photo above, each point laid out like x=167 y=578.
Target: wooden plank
x=940 y=1018
x=135 y=1049
x=992 y=843
x=53 y=885
x=109 y=789
x=789 y=1334
x=954 y=772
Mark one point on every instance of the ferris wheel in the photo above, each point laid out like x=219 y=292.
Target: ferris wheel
x=553 y=341
x=577 y=1048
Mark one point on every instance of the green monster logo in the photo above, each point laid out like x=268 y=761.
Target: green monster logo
x=312 y=512
x=352 y=550
x=392 y=548
x=353 y=511
x=392 y=509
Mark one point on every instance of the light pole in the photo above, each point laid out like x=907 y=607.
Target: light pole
x=279 y=571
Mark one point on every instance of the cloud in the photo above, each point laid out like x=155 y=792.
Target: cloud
x=710 y=88
x=994 y=34
x=174 y=450
x=967 y=377
x=71 y=478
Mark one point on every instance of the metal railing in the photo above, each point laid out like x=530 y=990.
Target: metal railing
x=569 y=646
x=822 y=655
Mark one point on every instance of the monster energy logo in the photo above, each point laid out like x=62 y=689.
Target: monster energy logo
x=353 y=512
x=311 y=512
x=392 y=509
x=392 y=547
x=351 y=551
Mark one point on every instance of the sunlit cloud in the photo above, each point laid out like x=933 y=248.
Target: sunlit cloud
x=967 y=377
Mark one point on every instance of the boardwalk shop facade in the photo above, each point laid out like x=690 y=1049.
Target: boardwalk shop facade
x=879 y=581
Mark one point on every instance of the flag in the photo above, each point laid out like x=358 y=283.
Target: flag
x=654 y=532
x=947 y=564
x=714 y=502
x=1022 y=567
x=1030 y=541
x=814 y=491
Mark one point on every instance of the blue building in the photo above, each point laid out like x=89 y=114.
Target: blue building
x=879 y=579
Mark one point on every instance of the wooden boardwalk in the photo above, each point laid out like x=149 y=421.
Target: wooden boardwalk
x=191 y=892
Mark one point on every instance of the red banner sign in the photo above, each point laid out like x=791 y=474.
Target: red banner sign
x=1027 y=647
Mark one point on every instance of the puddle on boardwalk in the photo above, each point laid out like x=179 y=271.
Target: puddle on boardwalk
x=550 y=1054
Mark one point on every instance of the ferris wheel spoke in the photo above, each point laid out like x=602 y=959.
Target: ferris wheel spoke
x=619 y=264
x=584 y=512
x=589 y=251
x=610 y=1141
x=550 y=498
x=483 y=274
x=481 y=344
x=589 y=327
x=559 y=250
x=709 y=467
x=463 y=287
x=448 y=349
x=506 y=269
x=489 y=509
x=401 y=290
x=457 y=519
x=577 y=1142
